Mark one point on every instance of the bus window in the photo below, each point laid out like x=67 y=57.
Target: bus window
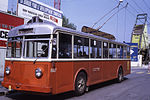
x=114 y=51
x=99 y=49
x=93 y=49
x=54 y=46
x=81 y=47
x=65 y=46
x=128 y=52
x=121 y=52
x=125 y=52
x=110 y=50
x=118 y=51
x=105 y=50
x=14 y=49
x=36 y=48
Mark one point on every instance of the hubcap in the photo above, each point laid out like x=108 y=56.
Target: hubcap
x=81 y=84
x=120 y=76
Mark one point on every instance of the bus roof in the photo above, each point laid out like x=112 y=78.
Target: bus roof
x=39 y=28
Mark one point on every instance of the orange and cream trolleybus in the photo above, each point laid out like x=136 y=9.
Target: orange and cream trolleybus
x=44 y=58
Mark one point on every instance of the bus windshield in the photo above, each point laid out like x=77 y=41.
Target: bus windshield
x=28 y=48
x=14 y=49
x=38 y=48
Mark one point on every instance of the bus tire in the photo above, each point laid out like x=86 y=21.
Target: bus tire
x=80 y=84
x=120 y=75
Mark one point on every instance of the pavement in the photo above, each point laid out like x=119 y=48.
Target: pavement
x=3 y=91
x=1 y=77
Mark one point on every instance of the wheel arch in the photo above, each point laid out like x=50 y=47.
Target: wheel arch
x=120 y=66
x=77 y=73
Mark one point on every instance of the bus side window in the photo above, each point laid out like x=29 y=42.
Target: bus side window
x=93 y=49
x=128 y=52
x=54 y=46
x=114 y=51
x=121 y=52
x=81 y=47
x=125 y=52
x=99 y=49
x=105 y=50
x=110 y=50
x=65 y=45
x=118 y=51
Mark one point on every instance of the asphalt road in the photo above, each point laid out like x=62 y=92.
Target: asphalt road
x=136 y=86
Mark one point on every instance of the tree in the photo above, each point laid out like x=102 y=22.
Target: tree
x=67 y=24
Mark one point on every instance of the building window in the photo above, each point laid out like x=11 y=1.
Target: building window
x=81 y=47
x=65 y=45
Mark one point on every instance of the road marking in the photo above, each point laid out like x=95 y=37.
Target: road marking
x=139 y=72
x=132 y=71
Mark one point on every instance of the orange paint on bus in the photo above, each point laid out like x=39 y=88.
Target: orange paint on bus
x=22 y=76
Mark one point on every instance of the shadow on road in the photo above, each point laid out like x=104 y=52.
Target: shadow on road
x=62 y=96
x=104 y=84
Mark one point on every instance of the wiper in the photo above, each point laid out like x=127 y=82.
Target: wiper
x=35 y=60
x=40 y=56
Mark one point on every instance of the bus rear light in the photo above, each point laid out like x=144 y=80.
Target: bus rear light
x=7 y=70
x=38 y=73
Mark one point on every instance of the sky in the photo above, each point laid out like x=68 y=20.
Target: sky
x=87 y=12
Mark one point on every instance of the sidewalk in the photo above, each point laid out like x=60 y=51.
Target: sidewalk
x=1 y=77
x=137 y=67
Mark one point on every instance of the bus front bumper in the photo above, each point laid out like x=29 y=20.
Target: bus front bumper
x=26 y=88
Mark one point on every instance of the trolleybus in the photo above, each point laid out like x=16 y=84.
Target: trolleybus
x=45 y=58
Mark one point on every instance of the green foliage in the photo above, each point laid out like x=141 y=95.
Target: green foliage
x=67 y=24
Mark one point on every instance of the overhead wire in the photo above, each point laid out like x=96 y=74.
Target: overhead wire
x=141 y=10
x=135 y=10
x=127 y=9
x=137 y=5
x=111 y=17
x=117 y=24
x=146 y=4
x=125 y=23
x=132 y=6
x=105 y=15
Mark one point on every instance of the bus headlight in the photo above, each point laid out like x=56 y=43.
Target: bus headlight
x=38 y=73
x=7 y=70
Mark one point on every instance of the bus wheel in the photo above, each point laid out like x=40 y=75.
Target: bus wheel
x=120 y=75
x=80 y=84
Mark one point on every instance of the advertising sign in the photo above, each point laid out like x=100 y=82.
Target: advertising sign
x=29 y=8
x=3 y=37
x=133 y=51
x=4 y=5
